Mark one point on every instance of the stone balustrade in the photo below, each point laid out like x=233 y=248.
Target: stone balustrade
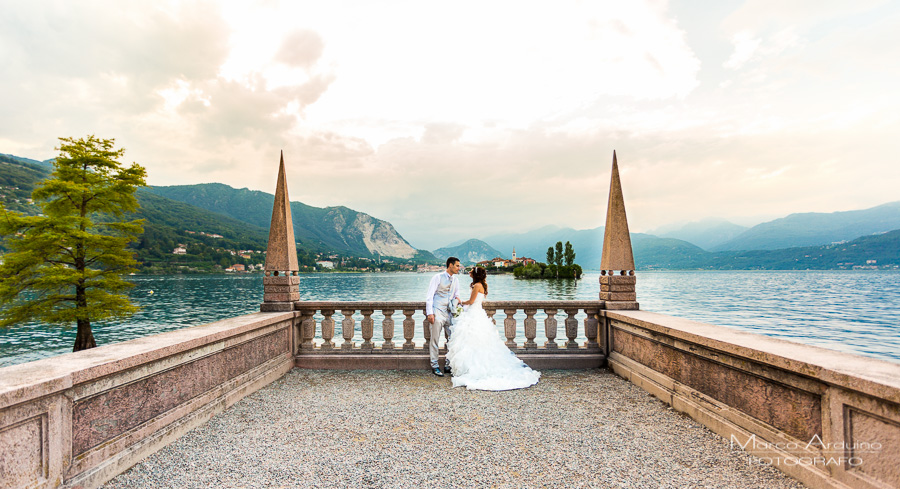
x=342 y=334
x=78 y=419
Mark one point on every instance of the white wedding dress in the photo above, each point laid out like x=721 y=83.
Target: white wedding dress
x=480 y=359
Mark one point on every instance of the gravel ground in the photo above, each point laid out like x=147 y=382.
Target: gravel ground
x=583 y=428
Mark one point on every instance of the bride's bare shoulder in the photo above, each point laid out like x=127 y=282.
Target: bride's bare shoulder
x=478 y=288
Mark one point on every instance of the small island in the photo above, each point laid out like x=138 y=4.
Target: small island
x=560 y=264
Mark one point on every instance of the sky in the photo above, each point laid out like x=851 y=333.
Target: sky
x=466 y=119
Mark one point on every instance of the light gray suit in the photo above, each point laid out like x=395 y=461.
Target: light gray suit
x=441 y=292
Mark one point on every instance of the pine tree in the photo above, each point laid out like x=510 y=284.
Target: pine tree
x=67 y=265
x=550 y=258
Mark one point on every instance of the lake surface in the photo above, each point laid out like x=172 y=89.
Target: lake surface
x=851 y=311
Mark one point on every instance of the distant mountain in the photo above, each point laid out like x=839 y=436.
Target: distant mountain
x=815 y=228
x=329 y=228
x=190 y=214
x=876 y=251
x=533 y=244
x=469 y=252
x=662 y=253
x=705 y=234
x=169 y=221
x=649 y=251
x=45 y=164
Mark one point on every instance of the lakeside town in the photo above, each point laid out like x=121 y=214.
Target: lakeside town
x=249 y=260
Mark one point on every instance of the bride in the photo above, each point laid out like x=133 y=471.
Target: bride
x=478 y=357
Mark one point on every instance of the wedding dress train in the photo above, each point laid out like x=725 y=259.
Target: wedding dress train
x=479 y=358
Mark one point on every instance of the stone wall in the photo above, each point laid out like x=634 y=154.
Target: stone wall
x=77 y=420
x=826 y=418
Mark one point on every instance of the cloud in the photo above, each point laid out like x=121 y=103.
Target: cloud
x=301 y=49
x=744 y=48
x=483 y=118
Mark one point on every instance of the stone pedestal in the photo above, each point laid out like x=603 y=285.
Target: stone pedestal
x=618 y=291
x=279 y=293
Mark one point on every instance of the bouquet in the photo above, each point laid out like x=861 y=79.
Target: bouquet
x=456 y=307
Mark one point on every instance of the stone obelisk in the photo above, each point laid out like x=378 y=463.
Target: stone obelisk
x=617 y=290
x=281 y=283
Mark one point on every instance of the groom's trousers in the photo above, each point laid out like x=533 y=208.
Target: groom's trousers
x=441 y=323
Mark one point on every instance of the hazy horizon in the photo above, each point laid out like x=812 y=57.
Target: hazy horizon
x=477 y=118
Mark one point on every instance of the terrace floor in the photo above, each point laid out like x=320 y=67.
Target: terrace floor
x=327 y=428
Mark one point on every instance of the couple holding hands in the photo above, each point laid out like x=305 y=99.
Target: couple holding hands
x=477 y=357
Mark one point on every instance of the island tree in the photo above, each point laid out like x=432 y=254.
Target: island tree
x=66 y=265
x=554 y=268
x=569 y=254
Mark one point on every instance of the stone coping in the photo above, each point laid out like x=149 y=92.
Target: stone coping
x=498 y=305
x=871 y=376
x=561 y=350
x=28 y=381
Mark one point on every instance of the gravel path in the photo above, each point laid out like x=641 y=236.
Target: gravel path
x=583 y=428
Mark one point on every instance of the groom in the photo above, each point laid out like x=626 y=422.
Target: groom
x=444 y=287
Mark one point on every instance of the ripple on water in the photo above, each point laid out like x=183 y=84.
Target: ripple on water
x=848 y=311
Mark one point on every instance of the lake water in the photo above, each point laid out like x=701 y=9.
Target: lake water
x=851 y=311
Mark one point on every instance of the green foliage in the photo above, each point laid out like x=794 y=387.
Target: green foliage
x=17 y=180
x=67 y=265
x=554 y=267
x=535 y=270
x=542 y=271
x=569 y=255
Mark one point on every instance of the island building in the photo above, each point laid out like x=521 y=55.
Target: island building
x=500 y=262
x=825 y=418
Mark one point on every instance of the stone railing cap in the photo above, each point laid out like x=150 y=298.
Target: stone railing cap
x=855 y=372
x=27 y=381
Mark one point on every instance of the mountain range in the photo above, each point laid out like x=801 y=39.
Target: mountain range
x=469 y=252
x=706 y=234
x=176 y=214
x=325 y=229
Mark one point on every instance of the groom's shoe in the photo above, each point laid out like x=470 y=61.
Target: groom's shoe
x=437 y=371
x=447 y=370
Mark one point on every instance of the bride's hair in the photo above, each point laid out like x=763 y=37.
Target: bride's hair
x=479 y=276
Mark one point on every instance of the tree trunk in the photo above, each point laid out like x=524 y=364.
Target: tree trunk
x=84 y=339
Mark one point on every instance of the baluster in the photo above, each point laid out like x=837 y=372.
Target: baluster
x=327 y=329
x=530 y=329
x=307 y=329
x=387 y=329
x=426 y=331
x=550 y=328
x=591 y=328
x=509 y=328
x=571 y=328
x=490 y=313
x=347 y=327
x=409 y=329
x=368 y=329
